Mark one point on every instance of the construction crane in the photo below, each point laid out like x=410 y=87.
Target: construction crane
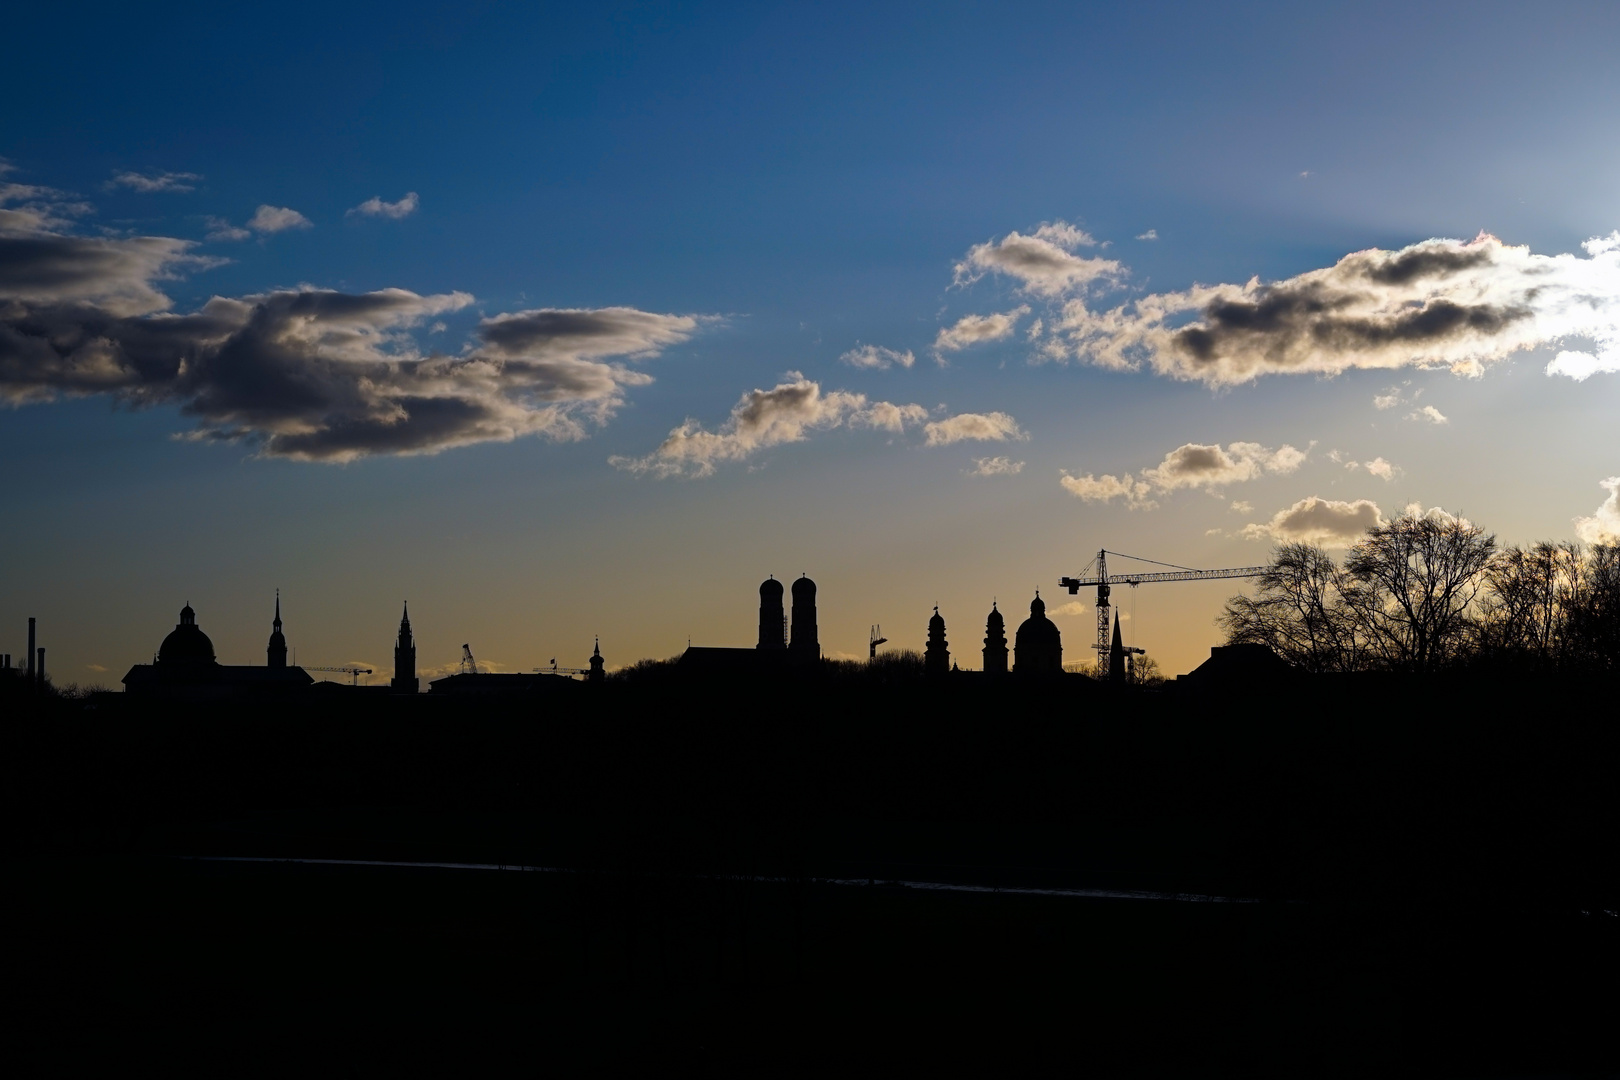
x=1098 y=570
x=353 y=672
x=877 y=639
x=469 y=666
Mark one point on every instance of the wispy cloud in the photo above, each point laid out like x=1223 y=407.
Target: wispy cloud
x=375 y=207
x=1043 y=264
x=1429 y=414
x=786 y=413
x=877 y=358
x=150 y=183
x=274 y=219
x=1151 y=234
x=978 y=330
x=220 y=229
x=996 y=466
x=979 y=427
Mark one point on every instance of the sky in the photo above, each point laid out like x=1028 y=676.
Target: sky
x=575 y=321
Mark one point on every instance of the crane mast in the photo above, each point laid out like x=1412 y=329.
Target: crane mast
x=1103 y=582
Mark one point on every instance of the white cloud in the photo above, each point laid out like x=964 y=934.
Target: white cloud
x=1430 y=414
x=1581 y=366
x=1191 y=465
x=1043 y=264
x=1241 y=507
x=877 y=358
x=1319 y=521
x=154 y=182
x=375 y=207
x=978 y=329
x=1104 y=488
x=982 y=427
x=1439 y=303
x=1151 y=234
x=274 y=219
x=996 y=466
x=1381 y=469
x=1603 y=527
x=1071 y=609
x=220 y=229
x=786 y=413
x=1389 y=399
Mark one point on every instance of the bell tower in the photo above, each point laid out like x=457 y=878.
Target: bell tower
x=405 y=657
x=277 y=649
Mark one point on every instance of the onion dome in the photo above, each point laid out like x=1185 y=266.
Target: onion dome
x=186 y=644
x=804 y=589
x=770 y=587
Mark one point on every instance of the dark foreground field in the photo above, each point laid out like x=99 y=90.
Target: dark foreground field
x=1432 y=872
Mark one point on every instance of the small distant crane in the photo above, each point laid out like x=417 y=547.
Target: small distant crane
x=352 y=671
x=1101 y=579
x=877 y=639
x=469 y=666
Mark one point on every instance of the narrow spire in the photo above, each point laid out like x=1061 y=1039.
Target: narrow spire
x=278 y=610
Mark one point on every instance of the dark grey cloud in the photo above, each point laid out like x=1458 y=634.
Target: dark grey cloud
x=1439 y=303
x=308 y=373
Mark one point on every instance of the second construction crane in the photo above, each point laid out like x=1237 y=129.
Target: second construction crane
x=1096 y=573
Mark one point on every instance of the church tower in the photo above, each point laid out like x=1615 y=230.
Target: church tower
x=804 y=647
x=598 y=671
x=405 y=657
x=772 y=624
x=1116 y=655
x=995 y=643
x=936 y=656
x=277 y=650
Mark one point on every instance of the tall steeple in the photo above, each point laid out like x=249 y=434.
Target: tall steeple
x=277 y=649
x=1116 y=654
x=598 y=671
x=405 y=681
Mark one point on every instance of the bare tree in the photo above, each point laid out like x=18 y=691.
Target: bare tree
x=1529 y=597
x=1410 y=584
x=1298 y=611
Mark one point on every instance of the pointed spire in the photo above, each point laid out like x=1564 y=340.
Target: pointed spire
x=277 y=623
x=598 y=650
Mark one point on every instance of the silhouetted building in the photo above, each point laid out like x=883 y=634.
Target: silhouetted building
x=486 y=684
x=185 y=667
x=804 y=646
x=772 y=622
x=995 y=643
x=1231 y=667
x=1116 y=655
x=1038 y=646
x=405 y=681
x=936 y=656
x=598 y=665
x=276 y=651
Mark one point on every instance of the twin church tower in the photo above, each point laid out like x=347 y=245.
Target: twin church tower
x=773 y=624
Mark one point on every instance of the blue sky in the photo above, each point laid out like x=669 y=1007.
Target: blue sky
x=752 y=194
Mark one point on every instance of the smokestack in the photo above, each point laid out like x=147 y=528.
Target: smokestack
x=29 y=655
x=42 y=667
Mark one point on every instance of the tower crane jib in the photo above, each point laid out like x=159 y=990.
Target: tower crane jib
x=1101 y=579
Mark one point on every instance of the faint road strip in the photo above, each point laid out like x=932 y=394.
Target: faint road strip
x=926 y=886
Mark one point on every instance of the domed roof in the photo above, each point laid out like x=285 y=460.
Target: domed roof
x=804 y=587
x=995 y=618
x=770 y=587
x=938 y=621
x=1037 y=627
x=186 y=644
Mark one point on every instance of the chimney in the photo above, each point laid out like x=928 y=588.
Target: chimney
x=29 y=655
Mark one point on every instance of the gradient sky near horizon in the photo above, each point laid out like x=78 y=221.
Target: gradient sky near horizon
x=565 y=321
